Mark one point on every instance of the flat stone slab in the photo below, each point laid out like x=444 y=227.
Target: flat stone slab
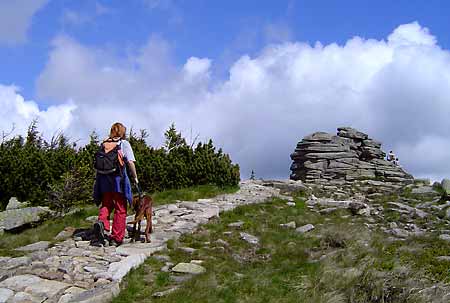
x=249 y=238
x=46 y=288
x=189 y=268
x=41 y=245
x=19 y=283
x=140 y=248
x=102 y=294
x=5 y=294
x=305 y=228
x=22 y=297
x=16 y=262
x=237 y=224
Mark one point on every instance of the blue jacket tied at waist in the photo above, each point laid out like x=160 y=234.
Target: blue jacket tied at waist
x=113 y=183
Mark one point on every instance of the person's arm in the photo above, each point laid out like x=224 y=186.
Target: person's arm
x=132 y=168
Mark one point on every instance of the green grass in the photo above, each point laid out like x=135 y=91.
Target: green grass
x=44 y=232
x=191 y=193
x=341 y=260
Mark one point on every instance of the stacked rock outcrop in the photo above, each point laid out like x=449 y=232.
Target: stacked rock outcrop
x=323 y=158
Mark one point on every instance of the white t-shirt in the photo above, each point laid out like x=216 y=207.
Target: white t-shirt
x=125 y=146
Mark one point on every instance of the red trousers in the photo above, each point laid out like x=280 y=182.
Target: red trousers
x=117 y=202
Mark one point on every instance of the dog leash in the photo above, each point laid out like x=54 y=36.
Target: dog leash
x=139 y=190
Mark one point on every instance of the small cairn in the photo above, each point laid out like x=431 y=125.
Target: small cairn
x=342 y=159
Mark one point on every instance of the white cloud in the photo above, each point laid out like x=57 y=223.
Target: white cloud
x=86 y=16
x=18 y=113
x=396 y=90
x=15 y=19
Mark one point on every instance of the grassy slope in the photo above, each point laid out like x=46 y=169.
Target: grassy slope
x=340 y=261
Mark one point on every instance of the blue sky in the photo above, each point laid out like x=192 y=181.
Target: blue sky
x=219 y=30
x=248 y=74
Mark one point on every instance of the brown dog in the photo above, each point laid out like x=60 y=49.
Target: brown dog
x=143 y=208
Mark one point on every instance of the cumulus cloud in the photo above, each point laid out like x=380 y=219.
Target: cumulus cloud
x=15 y=19
x=17 y=114
x=397 y=90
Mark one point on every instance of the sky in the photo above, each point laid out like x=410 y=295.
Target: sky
x=254 y=76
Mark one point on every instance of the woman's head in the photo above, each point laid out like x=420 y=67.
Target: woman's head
x=118 y=130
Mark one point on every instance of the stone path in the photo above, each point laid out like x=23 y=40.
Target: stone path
x=74 y=271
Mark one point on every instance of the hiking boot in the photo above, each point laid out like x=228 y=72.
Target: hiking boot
x=97 y=243
x=99 y=231
x=113 y=242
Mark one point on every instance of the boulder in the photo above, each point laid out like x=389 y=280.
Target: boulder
x=15 y=204
x=446 y=186
x=16 y=218
x=305 y=228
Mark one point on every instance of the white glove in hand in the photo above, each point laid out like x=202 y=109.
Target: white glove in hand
x=136 y=180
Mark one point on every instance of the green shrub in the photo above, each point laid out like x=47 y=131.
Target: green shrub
x=61 y=175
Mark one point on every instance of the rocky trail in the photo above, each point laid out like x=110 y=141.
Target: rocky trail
x=74 y=271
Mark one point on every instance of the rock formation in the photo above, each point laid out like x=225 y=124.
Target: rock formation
x=323 y=158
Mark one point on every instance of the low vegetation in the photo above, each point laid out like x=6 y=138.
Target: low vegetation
x=60 y=174
x=343 y=259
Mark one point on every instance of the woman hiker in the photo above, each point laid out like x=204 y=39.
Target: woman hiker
x=112 y=185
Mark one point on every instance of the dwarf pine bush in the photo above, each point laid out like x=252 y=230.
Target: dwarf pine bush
x=60 y=174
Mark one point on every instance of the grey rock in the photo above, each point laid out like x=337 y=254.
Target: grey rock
x=349 y=132
x=188 y=250
x=160 y=294
x=23 y=297
x=102 y=294
x=398 y=232
x=446 y=186
x=70 y=293
x=15 y=218
x=249 y=238
x=288 y=225
x=444 y=237
x=319 y=136
x=41 y=245
x=305 y=228
x=237 y=224
x=65 y=234
x=19 y=283
x=188 y=268
x=5 y=294
x=46 y=288
x=424 y=190
x=17 y=262
x=13 y=203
